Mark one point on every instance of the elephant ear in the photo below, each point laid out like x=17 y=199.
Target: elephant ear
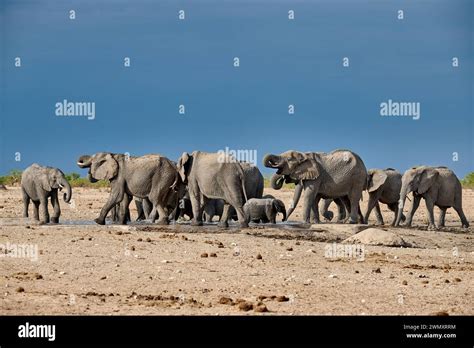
x=378 y=178
x=105 y=169
x=182 y=166
x=306 y=169
x=45 y=182
x=427 y=179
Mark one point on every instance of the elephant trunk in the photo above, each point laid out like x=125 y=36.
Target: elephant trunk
x=84 y=161
x=276 y=181
x=68 y=194
x=401 y=203
x=271 y=161
x=283 y=211
x=296 y=198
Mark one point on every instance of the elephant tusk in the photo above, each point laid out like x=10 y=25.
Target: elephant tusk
x=61 y=186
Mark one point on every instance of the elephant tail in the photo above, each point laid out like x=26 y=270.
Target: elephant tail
x=242 y=180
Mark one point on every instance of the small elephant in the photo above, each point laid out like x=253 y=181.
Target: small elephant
x=215 y=207
x=38 y=183
x=437 y=186
x=264 y=210
x=383 y=186
x=184 y=207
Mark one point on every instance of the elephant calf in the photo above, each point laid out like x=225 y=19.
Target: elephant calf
x=38 y=183
x=437 y=186
x=383 y=186
x=264 y=210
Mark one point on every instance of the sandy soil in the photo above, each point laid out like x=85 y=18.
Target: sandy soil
x=278 y=269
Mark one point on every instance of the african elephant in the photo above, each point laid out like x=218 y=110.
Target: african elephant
x=184 y=207
x=154 y=177
x=213 y=176
x=38 y=183
x=383 y=186
x=338 y=174
x=215 y=207
x=437 y=186
x=264 y=210
x=276 y=183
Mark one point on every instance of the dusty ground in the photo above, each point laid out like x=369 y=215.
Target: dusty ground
x=147 y=269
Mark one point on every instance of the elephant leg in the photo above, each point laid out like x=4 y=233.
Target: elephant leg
x=394 y=207
x=162 y=214
x=124 y=211
x=115 y=197
x=44 y=209
x=414 y=207
x=197 y=208
x=325 y=212
x=140 y=211
x=36 y=205
x=310 y=194
x=209 y=211
x=314 y=213
x=341 y=210
x=224 y=222
x=442 y=217
x=373 y=201
x=26 y=202
x=460 y=212
x=430 y=207
x=378 y=214
x=236 y=200
x=355 y=208
x=56 y=207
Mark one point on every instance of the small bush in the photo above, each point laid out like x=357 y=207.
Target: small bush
x=468 y=181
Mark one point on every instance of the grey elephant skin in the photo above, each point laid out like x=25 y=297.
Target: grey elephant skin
x=437 y=186
x=254 y=185
x=213 y=176
x=384 y=187
x=39 y=183
x=338 y=174
x=153 y=177
x=264 y=210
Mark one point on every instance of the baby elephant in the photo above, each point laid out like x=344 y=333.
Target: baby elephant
x=264 y=210
x=38 y=184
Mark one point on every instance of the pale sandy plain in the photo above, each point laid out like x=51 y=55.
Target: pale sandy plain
x=88 y=269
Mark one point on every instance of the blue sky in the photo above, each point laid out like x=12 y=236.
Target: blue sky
x=282 y=62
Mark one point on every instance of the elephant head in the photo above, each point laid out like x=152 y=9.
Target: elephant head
x=375 y=179
x=102 y=166
x=417 y=180
x=293 y=165
x=55 y=179
x=280 y=207
x=184 y=165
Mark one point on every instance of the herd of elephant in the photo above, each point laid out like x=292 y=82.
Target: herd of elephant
x=202 y=185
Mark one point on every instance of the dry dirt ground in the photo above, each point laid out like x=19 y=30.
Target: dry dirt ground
x=83 y=268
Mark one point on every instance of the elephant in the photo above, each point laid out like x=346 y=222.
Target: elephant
x=264 y=210
x=383 y=186
x=153 y=176
x=338 y=174
x=276 y=183
x=38 y=183
x=437 y=186
x=184 y=207
x=213 y=176
x=215 y=207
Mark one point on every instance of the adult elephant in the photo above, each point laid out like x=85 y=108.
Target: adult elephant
x=39 y=183
x=437 y=186
x=338 y=174
x=213 y=176
x=154 y=177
